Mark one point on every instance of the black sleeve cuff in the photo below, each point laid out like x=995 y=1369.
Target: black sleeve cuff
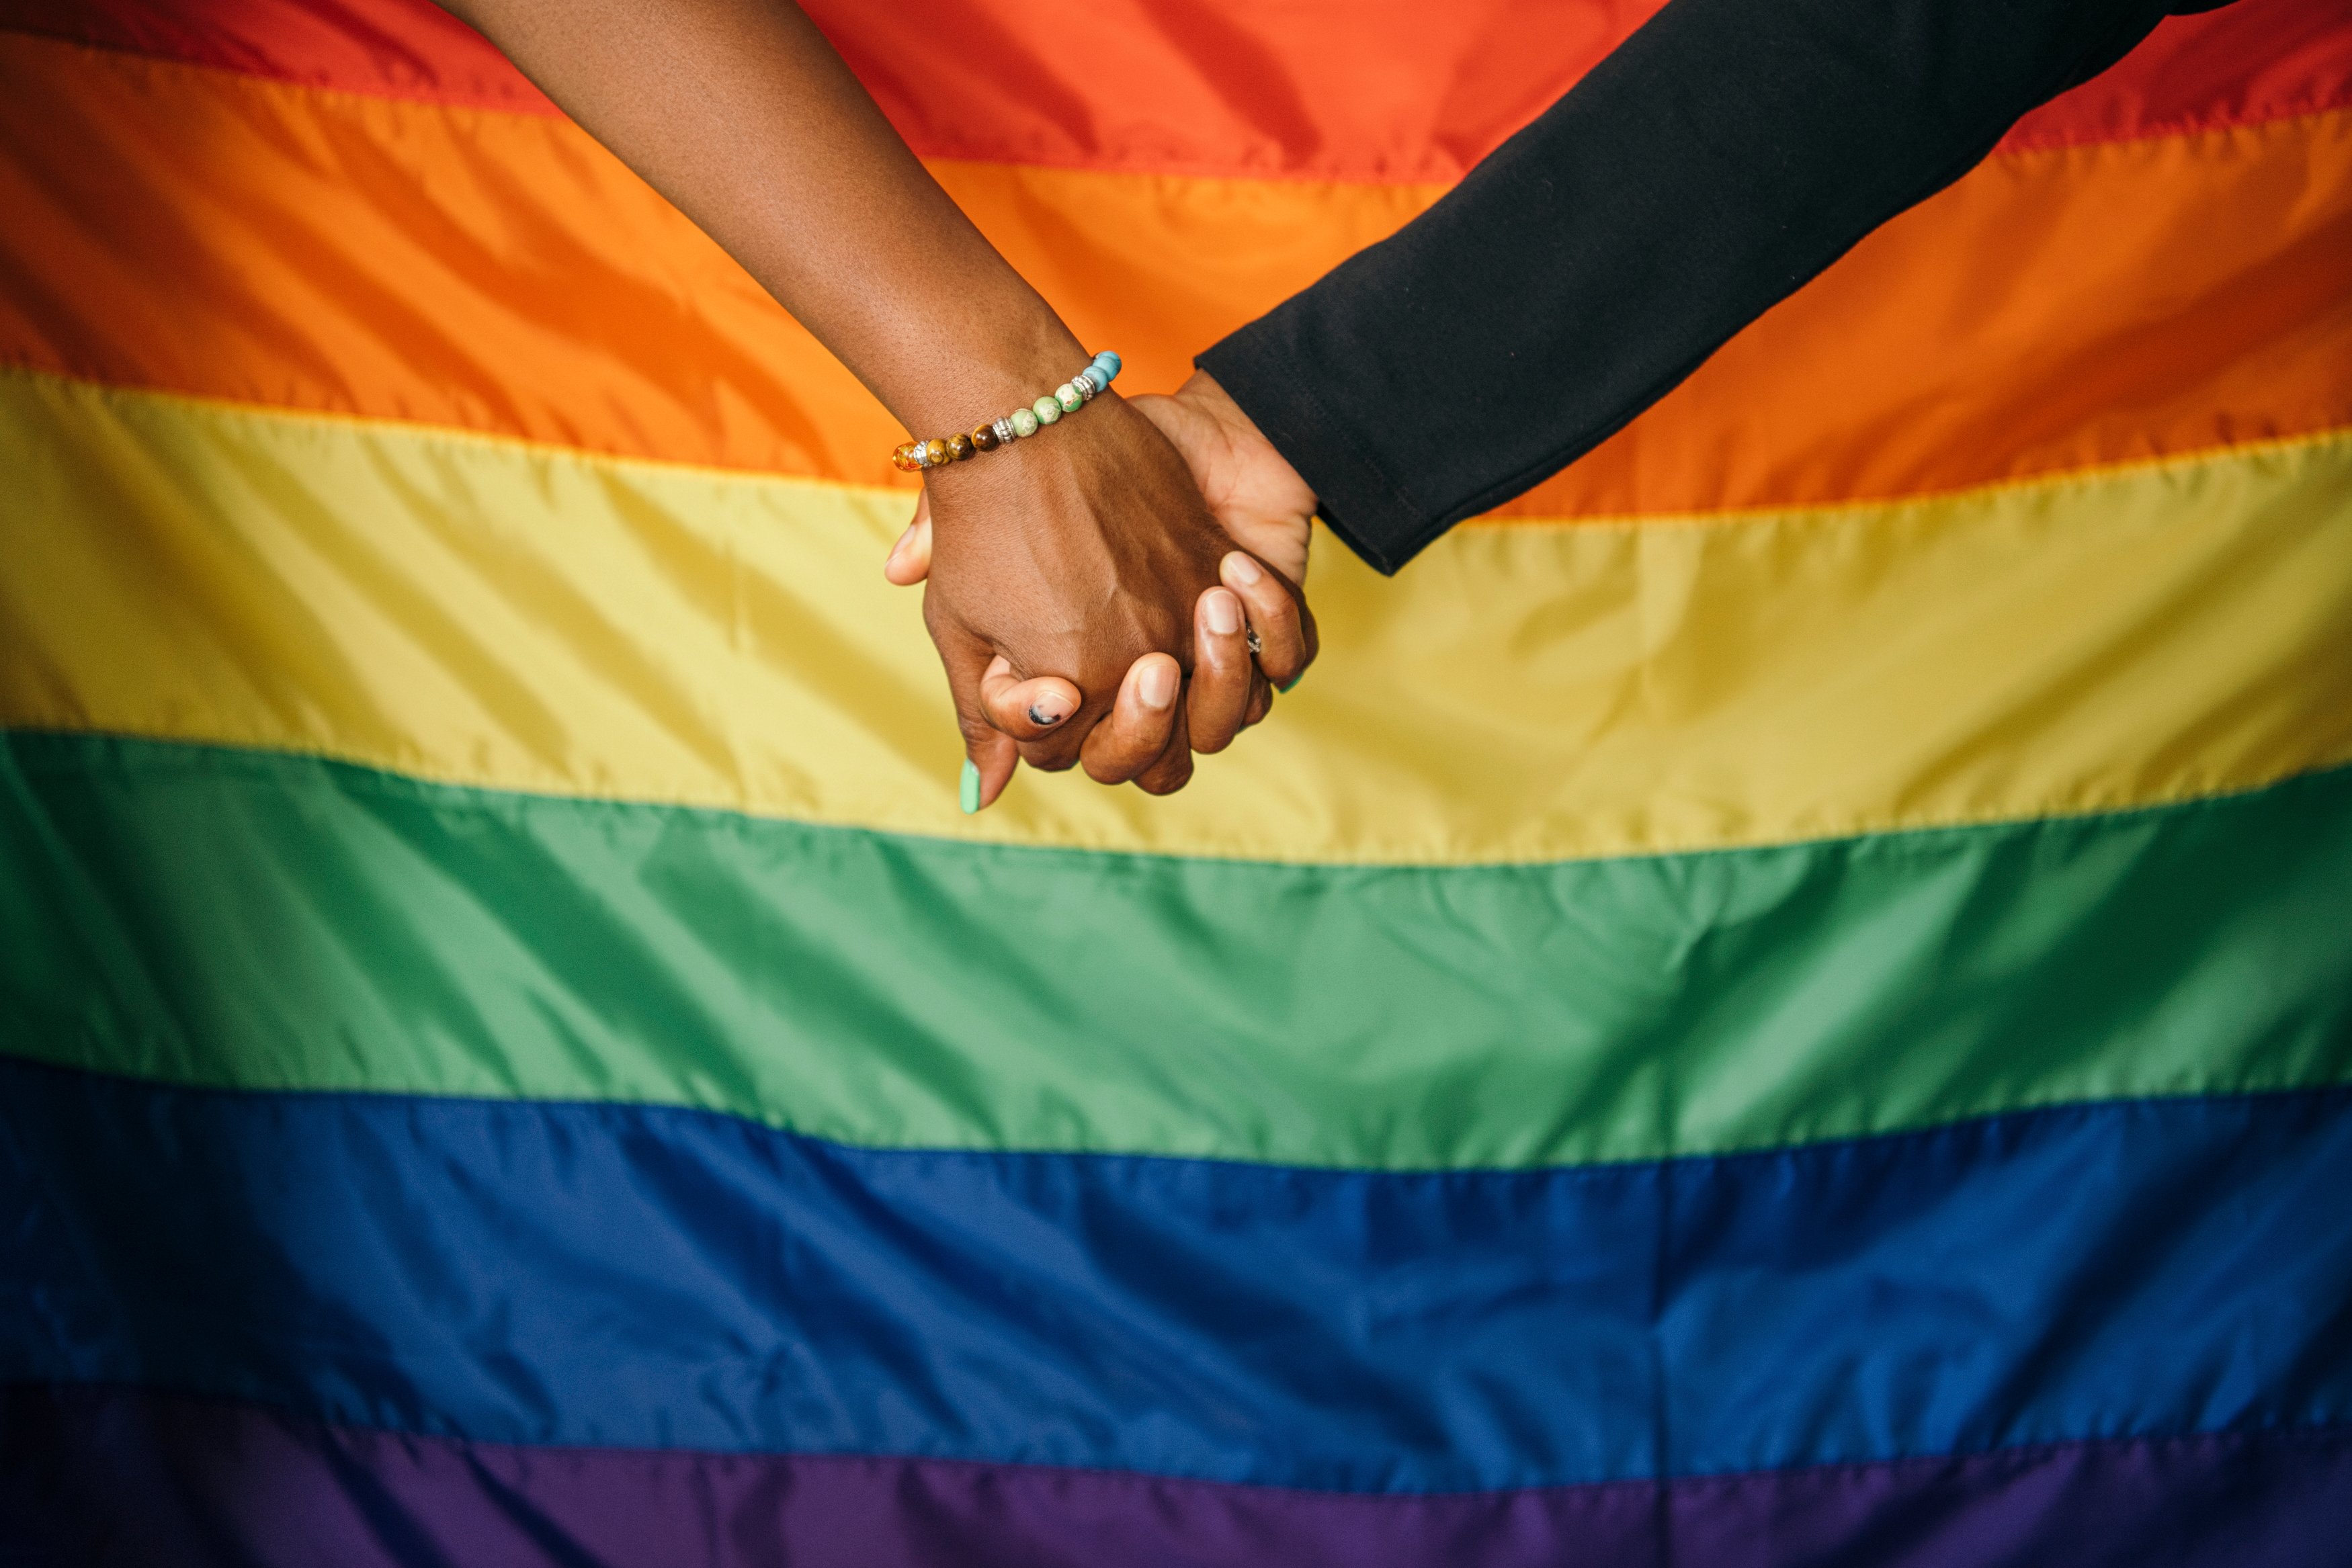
x=1354 y=496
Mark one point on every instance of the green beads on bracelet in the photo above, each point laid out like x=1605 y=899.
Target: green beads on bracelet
x=914 y=456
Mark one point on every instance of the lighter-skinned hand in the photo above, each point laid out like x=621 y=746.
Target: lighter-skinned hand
x=1259 y=503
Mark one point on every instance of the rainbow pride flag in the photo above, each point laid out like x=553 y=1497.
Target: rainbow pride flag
x=1785 y=1003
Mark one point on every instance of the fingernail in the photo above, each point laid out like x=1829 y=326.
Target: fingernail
x=1241 y=567
x=970 y=788
x=1048 y=711
x=1157 y=686
x=1224 y=613
x=1285 y=687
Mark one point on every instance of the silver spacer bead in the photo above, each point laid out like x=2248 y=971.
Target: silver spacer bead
x=1085 y=386
x=1004 y=431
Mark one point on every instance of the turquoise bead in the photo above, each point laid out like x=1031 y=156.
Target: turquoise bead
x=1025 y=423
x=1096 y=378
x=1070 y=397
x=1046 y=410
x=1110 y=363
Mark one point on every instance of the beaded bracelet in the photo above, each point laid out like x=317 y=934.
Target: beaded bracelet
x=914 y=456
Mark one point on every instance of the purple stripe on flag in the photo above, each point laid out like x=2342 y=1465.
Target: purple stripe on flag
x=95 y=1477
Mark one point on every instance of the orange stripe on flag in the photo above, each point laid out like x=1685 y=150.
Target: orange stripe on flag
x=195 y=231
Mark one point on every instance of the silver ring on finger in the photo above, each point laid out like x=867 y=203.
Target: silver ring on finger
x=1255 y=647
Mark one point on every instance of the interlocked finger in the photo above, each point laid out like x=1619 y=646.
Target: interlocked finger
x=1173 y=770
x=1285 y=639
x=1136 y=730
x=1217 y=703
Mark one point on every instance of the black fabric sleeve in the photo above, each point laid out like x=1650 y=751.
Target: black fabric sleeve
x=1723 y=155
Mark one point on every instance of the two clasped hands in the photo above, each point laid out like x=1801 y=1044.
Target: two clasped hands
x=1150 y=553
x=1092 y=588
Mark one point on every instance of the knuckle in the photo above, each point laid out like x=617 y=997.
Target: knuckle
x=1165 y=781
x=1059 y=755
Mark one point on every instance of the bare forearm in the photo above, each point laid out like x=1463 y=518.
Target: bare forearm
x=742 y=113
x=1073 y=560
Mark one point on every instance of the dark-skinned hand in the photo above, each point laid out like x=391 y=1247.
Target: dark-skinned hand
x=1253 y=498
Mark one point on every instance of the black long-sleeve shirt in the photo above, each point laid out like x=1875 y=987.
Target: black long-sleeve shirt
x=1717 y=160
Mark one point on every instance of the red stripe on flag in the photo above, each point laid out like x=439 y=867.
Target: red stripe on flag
x=1350 y=89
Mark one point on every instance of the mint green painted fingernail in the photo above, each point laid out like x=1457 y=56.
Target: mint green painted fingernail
x=969 y=790
x=1285 y=687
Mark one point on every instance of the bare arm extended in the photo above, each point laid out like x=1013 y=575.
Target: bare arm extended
x=1078 y=555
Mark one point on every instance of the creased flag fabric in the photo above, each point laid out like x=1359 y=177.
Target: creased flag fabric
x=1784 y=1000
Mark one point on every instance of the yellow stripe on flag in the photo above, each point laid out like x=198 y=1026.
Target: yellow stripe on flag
x=477 y=610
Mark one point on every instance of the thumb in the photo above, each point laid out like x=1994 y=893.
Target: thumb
x=911 y=558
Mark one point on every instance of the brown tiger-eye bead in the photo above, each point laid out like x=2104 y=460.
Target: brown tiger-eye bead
x=984 y=438
x=958 y=447
x=935 y=452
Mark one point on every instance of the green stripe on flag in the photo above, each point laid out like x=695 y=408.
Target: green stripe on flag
x=245 y=919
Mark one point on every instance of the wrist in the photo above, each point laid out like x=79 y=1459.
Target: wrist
x=973 y=377
x=1206 y=397
x=1020 y=424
